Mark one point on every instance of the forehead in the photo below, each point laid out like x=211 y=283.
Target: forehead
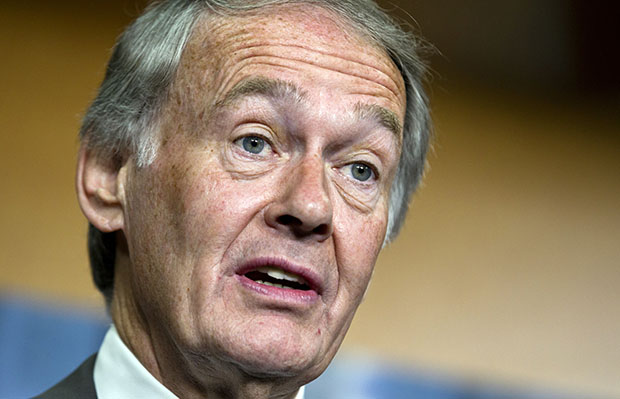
x=222 y=45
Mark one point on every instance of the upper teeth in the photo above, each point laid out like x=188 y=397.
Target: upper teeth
x=281 y=274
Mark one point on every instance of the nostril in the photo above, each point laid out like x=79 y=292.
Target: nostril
x=298 y=227
x=288 y=220
x=321 y=230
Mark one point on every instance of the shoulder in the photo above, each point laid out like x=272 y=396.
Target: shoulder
x=79 y=384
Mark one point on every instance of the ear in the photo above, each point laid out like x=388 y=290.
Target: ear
x=100 y=185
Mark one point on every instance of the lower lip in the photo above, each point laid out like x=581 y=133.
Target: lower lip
x=281 y=294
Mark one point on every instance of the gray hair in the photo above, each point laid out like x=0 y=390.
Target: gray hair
x=123 y=118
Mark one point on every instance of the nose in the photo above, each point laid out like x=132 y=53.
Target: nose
x=303 y=207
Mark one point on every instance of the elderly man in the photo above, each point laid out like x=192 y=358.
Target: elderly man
x=241 y=167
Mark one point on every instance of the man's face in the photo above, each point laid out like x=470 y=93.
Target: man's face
x=254 y=233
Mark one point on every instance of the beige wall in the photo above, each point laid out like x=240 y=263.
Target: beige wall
x=508 y=265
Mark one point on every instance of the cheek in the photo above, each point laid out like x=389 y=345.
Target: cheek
x=359 y=240
x=200 y=208
x=217 y=207
x=153 y=228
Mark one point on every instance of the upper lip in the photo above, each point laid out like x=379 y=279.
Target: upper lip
x=312 y=278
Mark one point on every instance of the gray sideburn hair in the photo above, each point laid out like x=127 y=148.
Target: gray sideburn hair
x=123 y=118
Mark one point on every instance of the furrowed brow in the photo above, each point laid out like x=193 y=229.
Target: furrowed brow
x=386 y=118
x=272 y=88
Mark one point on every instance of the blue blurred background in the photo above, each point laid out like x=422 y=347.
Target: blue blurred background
x=504 y=280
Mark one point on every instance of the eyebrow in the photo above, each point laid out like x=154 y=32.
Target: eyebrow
x=281 y=89
x=384 y=116
x=272 y=88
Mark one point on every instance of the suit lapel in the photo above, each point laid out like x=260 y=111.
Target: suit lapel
x=78 y=385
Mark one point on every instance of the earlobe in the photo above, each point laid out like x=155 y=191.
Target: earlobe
x=100 y=186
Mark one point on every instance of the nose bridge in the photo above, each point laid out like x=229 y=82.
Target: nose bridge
x=303 y=208
x=307 y=191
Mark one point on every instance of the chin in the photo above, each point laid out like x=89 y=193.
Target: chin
x=279 y=353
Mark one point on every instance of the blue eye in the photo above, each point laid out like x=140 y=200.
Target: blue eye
x=361 y=172
x=253 y=144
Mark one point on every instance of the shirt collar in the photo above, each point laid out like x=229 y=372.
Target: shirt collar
x=119 y=374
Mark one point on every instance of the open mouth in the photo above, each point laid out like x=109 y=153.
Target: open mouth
x=276 y=277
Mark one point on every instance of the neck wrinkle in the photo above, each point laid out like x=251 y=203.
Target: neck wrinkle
x=129 y=320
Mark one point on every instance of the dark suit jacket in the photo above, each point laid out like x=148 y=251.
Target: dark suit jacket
x=78 y=385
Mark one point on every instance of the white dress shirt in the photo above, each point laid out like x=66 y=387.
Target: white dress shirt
x=119 y=374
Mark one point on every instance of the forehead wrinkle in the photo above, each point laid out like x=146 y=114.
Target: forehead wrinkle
x=275 y=89
x=339 y=62
x=386 y=118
